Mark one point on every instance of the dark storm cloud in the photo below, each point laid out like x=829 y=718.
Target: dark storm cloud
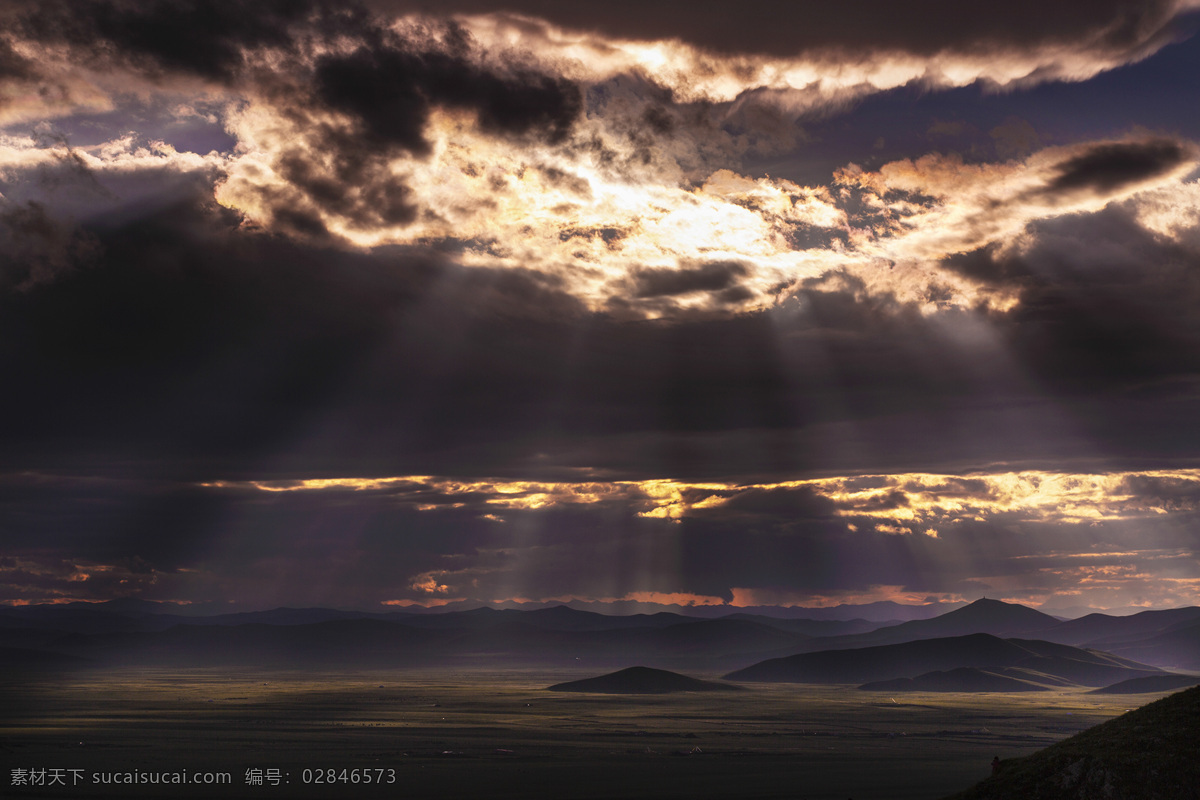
x=783 y=28
x=813 y=555
x=421 y=540
x=1107 y=168
x=35 y=247
x=973 y=488
x=220 y=353
x=987 y=265
x=358 y=188
x=200 y=37
x=784 y=504
x=809 y=555
x=886 y=502
x=12 y=65
x=171 y=347
x=193 y=350
x=388 y=90
x=206 y=350
x=1171 y=492
x=102 y=520
x=43 y=581
x=386 y=86
x=188 y=337
x=714 y=276
x=361 y=546
x=1110 y=306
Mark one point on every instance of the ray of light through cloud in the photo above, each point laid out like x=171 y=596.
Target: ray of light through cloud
x=523 y=271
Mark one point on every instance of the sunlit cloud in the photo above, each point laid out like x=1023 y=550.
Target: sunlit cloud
x=607 y=231
x=1033 y=536
x=124 y=155
x=789 y=598
x=681 y=599
x=910 y=503
x=39 y=579
x=332 y=240
x=978 y=204
x=1171 y=211
x=935 y=514
x=616 y=170
x=817 y=77
x=651 y=239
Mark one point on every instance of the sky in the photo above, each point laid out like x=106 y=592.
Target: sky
x=653 y=304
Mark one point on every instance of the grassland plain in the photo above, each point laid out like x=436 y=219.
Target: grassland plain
x=489 y=734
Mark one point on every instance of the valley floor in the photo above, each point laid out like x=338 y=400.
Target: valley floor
x=489 y=734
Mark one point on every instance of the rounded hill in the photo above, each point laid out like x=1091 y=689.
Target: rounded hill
x=642 y=680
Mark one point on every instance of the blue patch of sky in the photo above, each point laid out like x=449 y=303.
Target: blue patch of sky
x=199 y=131
x=1159 y=94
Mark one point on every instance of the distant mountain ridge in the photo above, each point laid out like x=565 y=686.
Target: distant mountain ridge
x=132 y=631
x=881 y=611
x=916 y=659
x=709 y=644
x=982 y=616
x=1107 y=628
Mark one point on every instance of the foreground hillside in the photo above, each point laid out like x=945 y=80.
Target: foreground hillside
x=1146 y=754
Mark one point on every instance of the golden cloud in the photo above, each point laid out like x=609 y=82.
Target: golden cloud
x=640 y=208
x=905 y=503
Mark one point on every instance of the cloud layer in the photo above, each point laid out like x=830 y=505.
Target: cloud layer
x=305 y=302
x=610 y=165
x=1099 y=539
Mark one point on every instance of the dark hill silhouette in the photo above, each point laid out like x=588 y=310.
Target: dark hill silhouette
x=707 y=644
x=1177 y=648
x=557 y=618
x=721 y=636
x=906 y=660
x=565 y=618
x=276 y=616
x=813 y=627
x=642 y=680
x=1151 y=683
x=117 y=616
x=1099 y=630
x=885 y=612
x=882 y=612
x=1082 y=667
x=19 y=659
x=1146 y=754
x=963 y=679
x=911 y=659
x=75 y=617
x=153 y=633
x=357 y=641
x=715 y=644
x=983 y=616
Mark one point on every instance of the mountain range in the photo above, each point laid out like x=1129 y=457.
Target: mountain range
x=988 y=643
x=1017 y=660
